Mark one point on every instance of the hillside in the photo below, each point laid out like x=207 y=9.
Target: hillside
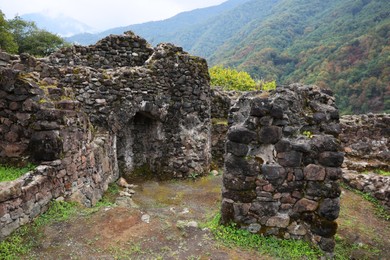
x=343 y=44
x=62 y=25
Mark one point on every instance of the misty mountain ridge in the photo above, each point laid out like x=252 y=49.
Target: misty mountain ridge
x=61 y=25
x=341 y=44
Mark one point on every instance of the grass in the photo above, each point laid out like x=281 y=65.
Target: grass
x=380 y=211
x=25 y=238
x=284 y=249
x=380 y=172
x=9 y=173
x=344 y=250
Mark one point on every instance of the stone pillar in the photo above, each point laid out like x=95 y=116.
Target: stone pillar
x=282 y=163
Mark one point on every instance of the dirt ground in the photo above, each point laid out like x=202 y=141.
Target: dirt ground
x=161 y=223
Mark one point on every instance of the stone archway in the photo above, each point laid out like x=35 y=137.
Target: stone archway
x=140 y=146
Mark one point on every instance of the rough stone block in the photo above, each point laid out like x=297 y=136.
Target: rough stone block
x=314 y=172
x=240 y=134
x=270 y=134
x=331 y=159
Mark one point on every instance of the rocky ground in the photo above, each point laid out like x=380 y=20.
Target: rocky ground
x=161 y=221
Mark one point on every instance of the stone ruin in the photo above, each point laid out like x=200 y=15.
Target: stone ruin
x=282 y=164
x=85 y=115
x=366 y=142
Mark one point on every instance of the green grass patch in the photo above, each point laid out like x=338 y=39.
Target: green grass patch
x=26 y=237
x=284 y=249
x=9 y=173
x=383 y=172
x=380 y=211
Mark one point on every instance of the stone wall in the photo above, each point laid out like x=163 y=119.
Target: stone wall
x=366 y=141
x=76 y=162
x=89 y=114
x=282 y=164
x=221 y=101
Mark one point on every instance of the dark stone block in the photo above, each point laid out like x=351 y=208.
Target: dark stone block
x=277 y=112
x=239 y=183
x=45 y=146
x=334 y=174
x=327 y=244
x=332 y=129
x=322 y=143
x=290 y=159
x=227 y=211
x=275 y=174
x=270 y=134
x=283 y=146
x=321 y=189
x=265 y=208
x=238 y=166
x=323 y=227
x=331 y=159
x=314 y=172
x=236 y=148
x=246 y=196
x=329 y=209
x=240 y=134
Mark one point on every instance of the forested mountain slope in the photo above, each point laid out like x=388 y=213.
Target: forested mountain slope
x=343 y=44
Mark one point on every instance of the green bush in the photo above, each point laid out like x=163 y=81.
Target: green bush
x=231 y=79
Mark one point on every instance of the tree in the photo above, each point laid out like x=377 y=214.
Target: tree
x=7 y=40
x=40 y=43
x=18 y=36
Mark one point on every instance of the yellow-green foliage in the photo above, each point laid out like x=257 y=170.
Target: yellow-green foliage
x=267 y=86
x=231 y=79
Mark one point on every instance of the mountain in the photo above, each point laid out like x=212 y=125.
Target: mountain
x=342 y=44
x=61 y=25
x=165 y=30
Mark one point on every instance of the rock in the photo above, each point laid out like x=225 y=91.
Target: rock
x=296 y=229
x=331 y=159
x=304 y=205
x=281 y=221
x=314 y=173
x=241 y=135
x=145 y=218
x=254 y=228
x=275 y=174
x=270 y=134
x=329 y=209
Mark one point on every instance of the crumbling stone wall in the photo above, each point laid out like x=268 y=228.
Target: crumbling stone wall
x=282 y=164
x=75 y=162
x=366 y=141
x=221 y=101
x=88 y=114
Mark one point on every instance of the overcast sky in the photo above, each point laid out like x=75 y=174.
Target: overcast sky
x=105 y=14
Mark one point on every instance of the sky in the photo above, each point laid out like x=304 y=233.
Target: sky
x=105 y=14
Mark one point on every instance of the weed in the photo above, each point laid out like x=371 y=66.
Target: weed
x=308 y=134
x=286 y=249
x=9 y=173
x=193 y=175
